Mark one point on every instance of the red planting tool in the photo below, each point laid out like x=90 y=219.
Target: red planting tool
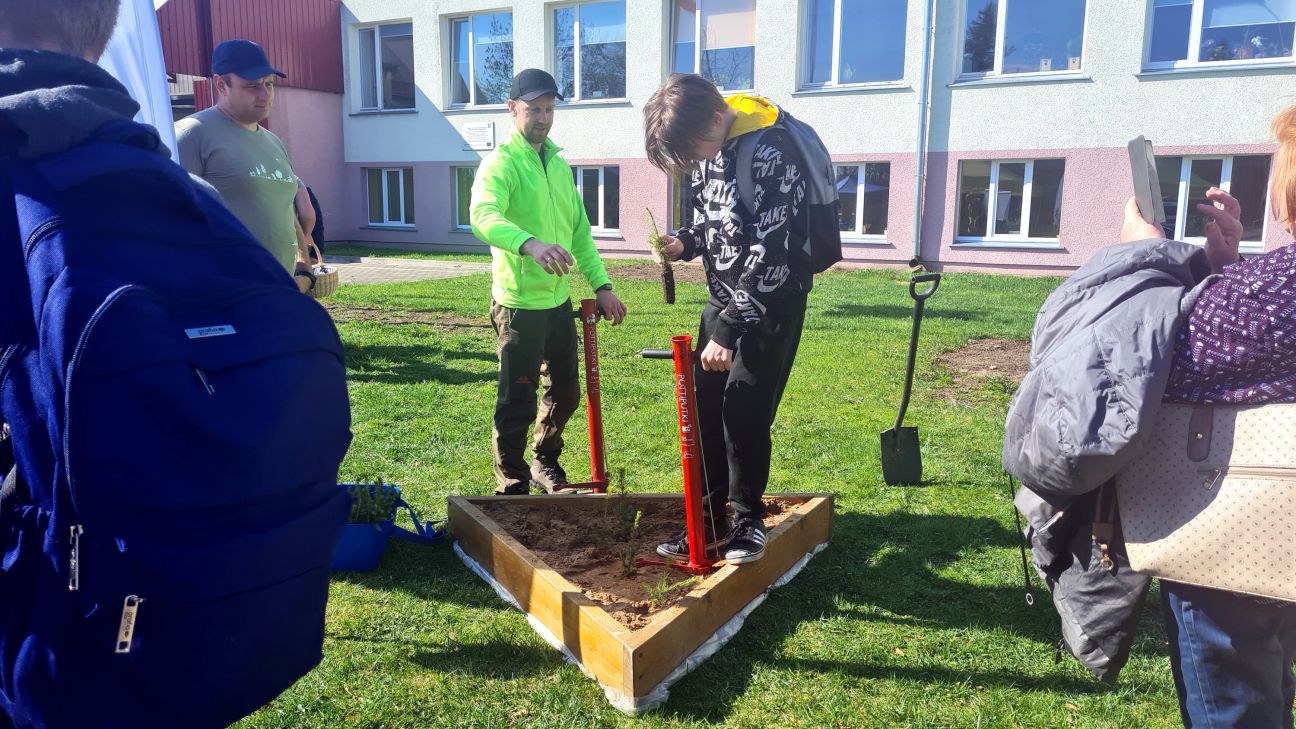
x=691 y=455
x=598 y=483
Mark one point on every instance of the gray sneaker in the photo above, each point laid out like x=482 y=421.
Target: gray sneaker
x=517 y=488
x=547 y=474
x=747 y=543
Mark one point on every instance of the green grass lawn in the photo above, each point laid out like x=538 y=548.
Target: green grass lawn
x=912 y=617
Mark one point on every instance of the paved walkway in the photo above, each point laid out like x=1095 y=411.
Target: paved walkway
x=372 y=269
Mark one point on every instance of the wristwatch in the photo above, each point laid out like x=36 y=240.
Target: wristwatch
x=604 y=287
x=308 y=275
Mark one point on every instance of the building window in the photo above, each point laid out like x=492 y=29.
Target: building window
x=1012 y=200
x=481 y=59
x=864 y=191
x=463 y=195
x=717 y=39
x=600 y=190
x=387 y=67
x=854 y=42
x=1189 y=32
x=1185 y=180
x=590 y=50
x=391 y=196
x=1022 y=36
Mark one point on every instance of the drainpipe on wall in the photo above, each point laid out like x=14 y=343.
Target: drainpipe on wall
x=920 y=157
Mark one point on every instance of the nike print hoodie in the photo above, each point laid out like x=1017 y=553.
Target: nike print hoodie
x=746 y=253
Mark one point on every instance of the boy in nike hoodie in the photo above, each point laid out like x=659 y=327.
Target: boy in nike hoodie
x=758 y=279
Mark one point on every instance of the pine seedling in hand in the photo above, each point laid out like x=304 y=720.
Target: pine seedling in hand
x=667 y=272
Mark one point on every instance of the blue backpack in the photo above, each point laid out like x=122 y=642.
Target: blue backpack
x=178 y=414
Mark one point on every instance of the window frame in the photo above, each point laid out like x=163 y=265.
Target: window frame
x=577 y=172
x=576 y=52
x=1194 y=47
x=472 y=60
x=855 y=234
x=406 y=174
x=1001 y=25
x=697 y=45
x=807 y=53
x=1226 y=184
x=461 y=226
x=376 y=29
x=989 y=238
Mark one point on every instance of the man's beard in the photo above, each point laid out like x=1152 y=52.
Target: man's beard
x=535 y=136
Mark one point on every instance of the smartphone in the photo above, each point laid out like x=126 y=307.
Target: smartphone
x=1147 y=186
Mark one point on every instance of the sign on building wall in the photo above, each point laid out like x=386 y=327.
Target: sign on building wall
x=479 y=136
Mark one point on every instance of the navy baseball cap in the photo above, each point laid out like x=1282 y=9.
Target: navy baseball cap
x=532 y=83
x=242 y=57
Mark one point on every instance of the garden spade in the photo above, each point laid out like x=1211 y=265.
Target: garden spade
x=901 y=458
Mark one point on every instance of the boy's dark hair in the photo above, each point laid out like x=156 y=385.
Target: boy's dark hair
x=77 y=27
x=681 y=112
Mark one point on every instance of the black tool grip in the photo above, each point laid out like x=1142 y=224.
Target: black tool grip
x=934 y=278
x=657 y=354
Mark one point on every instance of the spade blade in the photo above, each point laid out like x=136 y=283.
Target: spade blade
x=901 y=457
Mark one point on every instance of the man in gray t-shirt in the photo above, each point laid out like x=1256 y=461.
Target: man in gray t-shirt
x=226 y=146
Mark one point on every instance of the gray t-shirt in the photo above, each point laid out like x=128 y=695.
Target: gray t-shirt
x=251 y=171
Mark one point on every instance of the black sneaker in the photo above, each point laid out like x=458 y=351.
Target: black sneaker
x=678 y=546
x=517 y=488
x=747 y=543
x=547 y=474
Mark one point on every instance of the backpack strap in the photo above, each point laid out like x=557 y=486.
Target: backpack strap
x=743 y=175
x=425 y=532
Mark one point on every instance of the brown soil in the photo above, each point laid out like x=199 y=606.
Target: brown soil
x=982 y=361
x=684 y=272
x=585 y=543
x=346 y=313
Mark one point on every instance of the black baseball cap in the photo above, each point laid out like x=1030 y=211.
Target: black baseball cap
x=242 y=57
x=532 y=83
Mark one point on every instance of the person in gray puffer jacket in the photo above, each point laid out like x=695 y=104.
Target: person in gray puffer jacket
x=1102 y=349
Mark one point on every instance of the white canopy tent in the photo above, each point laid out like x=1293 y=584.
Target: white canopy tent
x=134 y=57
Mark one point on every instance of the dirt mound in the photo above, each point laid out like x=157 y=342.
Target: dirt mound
x=684 y=273
x=983 y=362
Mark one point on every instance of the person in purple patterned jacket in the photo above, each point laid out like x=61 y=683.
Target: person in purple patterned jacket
x=1232 y=654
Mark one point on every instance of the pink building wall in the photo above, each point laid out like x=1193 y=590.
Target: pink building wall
x=1096 y=185
x=310 y=125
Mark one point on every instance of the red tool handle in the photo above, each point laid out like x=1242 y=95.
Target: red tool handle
x=589 y=316
x=691 y=453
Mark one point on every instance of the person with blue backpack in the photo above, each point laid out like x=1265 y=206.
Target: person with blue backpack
x=164 y=552
x=764 y=220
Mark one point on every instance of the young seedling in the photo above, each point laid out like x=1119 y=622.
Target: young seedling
x=631 y=548
x=371 y=503
x=660 y=591
x=667 y=272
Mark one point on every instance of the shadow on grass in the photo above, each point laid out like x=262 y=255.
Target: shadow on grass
x=896 y=311
x=412 y=364
x=889 y=564
x=491 y=660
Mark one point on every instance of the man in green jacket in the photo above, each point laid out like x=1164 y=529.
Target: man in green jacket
x=526 y=206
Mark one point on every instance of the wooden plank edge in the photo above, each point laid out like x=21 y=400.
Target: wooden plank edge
x=658 y=648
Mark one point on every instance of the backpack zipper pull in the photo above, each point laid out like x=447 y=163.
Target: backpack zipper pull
x=74 y=559
x=202 y=377
x=126 y=630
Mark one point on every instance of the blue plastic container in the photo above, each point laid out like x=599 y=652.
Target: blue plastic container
x=362 y=545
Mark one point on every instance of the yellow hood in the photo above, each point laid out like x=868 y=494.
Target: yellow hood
x=754 y=112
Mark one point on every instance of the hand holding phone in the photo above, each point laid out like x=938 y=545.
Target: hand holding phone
x=1147 y=185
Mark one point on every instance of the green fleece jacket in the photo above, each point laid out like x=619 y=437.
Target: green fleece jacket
x=515 y=198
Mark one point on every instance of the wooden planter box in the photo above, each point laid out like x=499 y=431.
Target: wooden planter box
x=631 y=663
